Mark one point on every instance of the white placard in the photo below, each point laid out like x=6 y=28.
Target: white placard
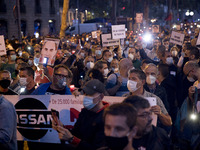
x=49 y=50
x=2 y=46
x=107 y=41
x=118 y=31
x=153 y=102
x=198 y=40
x=177 y=38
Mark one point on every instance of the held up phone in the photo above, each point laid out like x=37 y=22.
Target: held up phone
x=45 y=61
x=55 y=116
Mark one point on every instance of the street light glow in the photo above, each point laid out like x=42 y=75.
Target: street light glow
x=191 y=13
x=147 y=37
x=187 y=13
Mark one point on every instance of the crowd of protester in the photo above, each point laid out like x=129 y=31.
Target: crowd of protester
x=134 y=70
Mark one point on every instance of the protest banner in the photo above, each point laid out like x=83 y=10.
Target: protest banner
x=177 y=38
x=139 y=17
x=155 y=28
x=107 y=41
x=2 y=46
x=49 y=50
x=118 y=32
x=34 y=114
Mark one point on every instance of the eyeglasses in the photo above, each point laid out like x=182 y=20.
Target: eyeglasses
x=145 y=115
x=61 y=75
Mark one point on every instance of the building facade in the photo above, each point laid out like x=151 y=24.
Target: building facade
x=40 y=16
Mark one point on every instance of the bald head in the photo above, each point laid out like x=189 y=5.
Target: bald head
x=125 y=63
x=190 y=66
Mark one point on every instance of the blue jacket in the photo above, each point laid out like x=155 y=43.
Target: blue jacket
x=41 y=90
x=8 y=125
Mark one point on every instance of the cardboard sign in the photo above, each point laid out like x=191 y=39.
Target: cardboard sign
x=107 y=41
x=2 y=46
x=118 y=31
x=155 y=28
x=198 y=40
x=49 y=51
x=177 y=38
x=139 y=17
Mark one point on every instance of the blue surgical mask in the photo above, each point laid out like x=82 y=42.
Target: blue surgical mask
x=98 y=52
x=88 y=102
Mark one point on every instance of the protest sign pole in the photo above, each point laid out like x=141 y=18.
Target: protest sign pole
x=18 y=20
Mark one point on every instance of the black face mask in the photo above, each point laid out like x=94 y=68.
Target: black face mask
x=116 y=143
x=5 y=83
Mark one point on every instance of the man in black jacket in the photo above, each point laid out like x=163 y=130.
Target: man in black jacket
x=88 y=131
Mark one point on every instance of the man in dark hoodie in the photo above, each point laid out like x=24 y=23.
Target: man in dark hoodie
x=169 y=83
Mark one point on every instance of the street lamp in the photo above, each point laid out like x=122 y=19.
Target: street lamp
x=189 y=13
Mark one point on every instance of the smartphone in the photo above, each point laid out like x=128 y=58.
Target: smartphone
x=55 y=116
x=45 y=61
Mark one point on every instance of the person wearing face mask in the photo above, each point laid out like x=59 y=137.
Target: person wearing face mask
x=98 y=53
x=107 y=56
x=166 y=58
x=102 y=66
x=148 y=137
x=88 y=65
x=116 y=83
x=123 y=116
x=151 y=72
x=88 y=131
x=61 y=79
x=189 y=127
x=132 y=55
x=5 y=81
x=137 y=79
x=10 y=65
x=26 y=80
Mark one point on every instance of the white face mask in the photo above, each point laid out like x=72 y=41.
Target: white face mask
x=13 y=57
x=190 y=79
x=110 y=59
x=169 y=60
x=88 y=102
x=90 y=65
x=105 y=72
x=174 y=53
x=150 y=79
x=131 y=56
x=22 y=81
x=132 y=86
x=98 y=52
